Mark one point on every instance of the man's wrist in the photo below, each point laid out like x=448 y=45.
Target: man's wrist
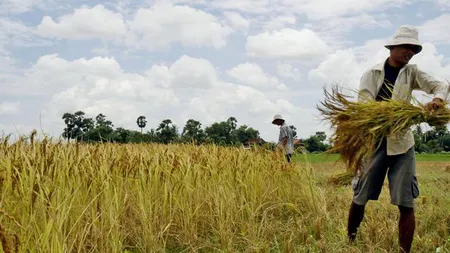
x=438 y=99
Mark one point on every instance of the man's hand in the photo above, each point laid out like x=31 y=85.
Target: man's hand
x=435 y=104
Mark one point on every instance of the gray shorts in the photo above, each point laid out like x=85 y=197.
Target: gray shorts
x=403 y=185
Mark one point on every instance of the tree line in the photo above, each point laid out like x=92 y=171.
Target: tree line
x=225 y=133
x=435 y=140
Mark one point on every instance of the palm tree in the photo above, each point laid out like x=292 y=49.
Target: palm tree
x=141 y=122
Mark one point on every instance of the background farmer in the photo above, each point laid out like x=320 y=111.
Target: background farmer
x=394 y=78
x=285 y=138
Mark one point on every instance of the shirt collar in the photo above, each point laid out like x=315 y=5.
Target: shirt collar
x=380 y=66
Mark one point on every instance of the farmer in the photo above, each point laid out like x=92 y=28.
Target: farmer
x=394 y=78
x=285 y=138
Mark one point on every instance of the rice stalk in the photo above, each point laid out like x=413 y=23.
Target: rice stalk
x=359 y=127
x=152 y=198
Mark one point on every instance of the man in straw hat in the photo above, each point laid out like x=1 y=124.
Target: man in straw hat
x=394 y=78
x=285 y=138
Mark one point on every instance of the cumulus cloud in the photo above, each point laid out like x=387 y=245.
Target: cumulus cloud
x=18 y=6
x=9 y=108
x=202 y=75
x=279 y=22
x=346 y=67
x=161 y=25
x=236 y=21
x=324 y=9
x=313 y=9
x=84 y=23
x=153 y=29
x=188 y=88
x=287 y=43
x=436 y=30
x=189 y=72
x=287 y=71
x=253 y=74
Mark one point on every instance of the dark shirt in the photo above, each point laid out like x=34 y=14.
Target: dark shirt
x=390 y=75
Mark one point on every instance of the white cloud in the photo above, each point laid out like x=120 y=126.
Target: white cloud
x=98 y=85
x=16 y=34
x=336 y=31
x=191 y=72
x=236 y=21
x=436 y=30
x=188 y=88
x=313 y=9
x=9 y=108
x=52 y=74
x=346 y=66
x=252 y=6
x=298 y=42
x=287 y=43
x=17 y=6
x=325 y=9
x=152 y=29
x=253 y=74
x=279 y=22
x=85 y=23
x=434 y=63
x=158 y=27
x=443 y=3
x=286 y=71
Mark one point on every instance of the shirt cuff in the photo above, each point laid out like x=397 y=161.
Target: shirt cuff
x=441 y=95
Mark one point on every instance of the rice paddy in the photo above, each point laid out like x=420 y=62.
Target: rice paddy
x=58 y=197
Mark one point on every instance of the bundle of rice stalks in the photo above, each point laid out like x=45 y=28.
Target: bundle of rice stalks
x=360 y=126
x=341 y=179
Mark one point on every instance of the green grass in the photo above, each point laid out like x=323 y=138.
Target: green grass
x=321 y=158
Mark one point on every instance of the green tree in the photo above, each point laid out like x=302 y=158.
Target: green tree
x=316 y=143
x=76 y=125
x=244 y=133
x=103 y=130
x=166 y=132
x=321 y=136
x=141 y=122
x=222 y=133
x=193 y=132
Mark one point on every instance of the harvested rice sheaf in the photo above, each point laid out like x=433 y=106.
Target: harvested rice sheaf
x=360 y=126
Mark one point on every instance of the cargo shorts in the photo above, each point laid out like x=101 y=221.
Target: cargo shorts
x=401 y=172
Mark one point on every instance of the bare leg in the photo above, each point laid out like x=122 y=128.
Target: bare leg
x=406 y=227
x=355 y=218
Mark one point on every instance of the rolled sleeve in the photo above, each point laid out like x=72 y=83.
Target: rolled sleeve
x=431 y=85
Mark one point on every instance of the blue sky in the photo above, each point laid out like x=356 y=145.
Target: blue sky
x=206 y=60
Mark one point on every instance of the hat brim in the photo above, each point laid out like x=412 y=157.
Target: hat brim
x=273 y=121
x=418 y=47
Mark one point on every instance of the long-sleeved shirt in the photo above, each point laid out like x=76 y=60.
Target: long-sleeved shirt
x=286 y=132
x=409 y=78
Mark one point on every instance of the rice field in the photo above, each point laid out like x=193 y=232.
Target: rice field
x=58 y=197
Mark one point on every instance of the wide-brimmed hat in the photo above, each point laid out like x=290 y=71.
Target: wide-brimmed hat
x=405 y=34
x=277 y=117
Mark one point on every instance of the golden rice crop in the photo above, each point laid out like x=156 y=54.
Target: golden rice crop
x=359 y=127
x=58 y=197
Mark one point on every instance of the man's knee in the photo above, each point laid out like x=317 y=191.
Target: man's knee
x=405 y=209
